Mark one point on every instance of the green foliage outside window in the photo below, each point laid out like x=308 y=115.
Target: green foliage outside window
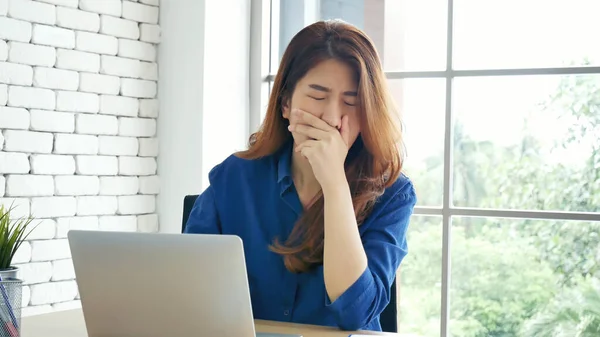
x=514 y=277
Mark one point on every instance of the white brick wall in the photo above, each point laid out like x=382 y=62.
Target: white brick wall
x=36 y=272
x=100 y=84
x=49 y=250
x=52 y=164
x=113 y=26
x=137 y=50
x=118 y=223
x=45 y=229
x=32 y=11
x=78 y=146
x=63 y=270
x=23 y=185
x=77 y=20
x=148 y=147
x=52 y=207
x=77 y=185
x=119 y=105
x=77 y=60
x=53 y=36
x=27 y=141
x=3 y=7
x=118 y=146
x=17 y=74
x=119 y=185
x=13 y=163
x=119 y=66
x=96 y=43
x=75 y=144
x=147 y=223
x=97 y=165
x=149 y=33
x=103 y=205
x=21 y=209
x=139 y=12
x=149 y=185
x=23 y=254
x=31 y=98
x=64 y=225
x=3 y=90
x=31 y=54
x=14 y=118
x=149 y=108
x=138 y=88
x=136 y=204
x=149 y=71
x=136 y=166
x=53 y=292
x=53 y=78
x=110 y=7
x=97 y=124
x=68 y=305
x=15 y=30
x=137 y=127
x=52 y=121
x=77 y=101
x=65 y=3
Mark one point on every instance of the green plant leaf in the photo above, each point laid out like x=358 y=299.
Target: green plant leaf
x=12 y=234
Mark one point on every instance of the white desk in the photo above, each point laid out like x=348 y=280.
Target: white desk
x=71 y=324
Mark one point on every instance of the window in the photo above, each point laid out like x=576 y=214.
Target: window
x=501 y=100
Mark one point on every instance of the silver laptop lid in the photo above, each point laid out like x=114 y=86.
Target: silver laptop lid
x=156 y=285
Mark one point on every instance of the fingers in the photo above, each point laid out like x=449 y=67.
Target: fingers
x=307 y=118
x=306 y=145
x=308 y=131
x=306 y=148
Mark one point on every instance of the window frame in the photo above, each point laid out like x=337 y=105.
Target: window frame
x=264 y=35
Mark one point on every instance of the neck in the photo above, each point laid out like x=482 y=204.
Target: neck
x=304 y=179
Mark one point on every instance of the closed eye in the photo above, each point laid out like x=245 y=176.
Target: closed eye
x=317 y=98
x=350 y=104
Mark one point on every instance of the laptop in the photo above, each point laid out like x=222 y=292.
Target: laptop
x=159 y=284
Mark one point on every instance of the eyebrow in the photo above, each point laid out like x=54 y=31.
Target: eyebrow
x=325 y=89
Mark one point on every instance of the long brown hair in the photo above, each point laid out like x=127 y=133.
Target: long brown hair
x=376 y=157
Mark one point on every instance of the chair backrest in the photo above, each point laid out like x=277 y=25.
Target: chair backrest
x=188 y=204
x=387 y=319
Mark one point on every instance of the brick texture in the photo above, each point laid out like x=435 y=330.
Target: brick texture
x=78 y=142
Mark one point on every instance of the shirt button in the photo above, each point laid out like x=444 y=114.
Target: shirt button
x=286 y=312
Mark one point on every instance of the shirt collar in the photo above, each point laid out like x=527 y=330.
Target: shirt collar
x=284 y=165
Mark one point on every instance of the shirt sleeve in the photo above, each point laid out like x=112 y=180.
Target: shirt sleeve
x=385 y=245
x=204 y=218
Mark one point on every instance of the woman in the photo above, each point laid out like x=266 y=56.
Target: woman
x=318 y=198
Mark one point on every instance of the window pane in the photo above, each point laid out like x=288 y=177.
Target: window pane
x=419 y=290
x=265 y=105
x=409 y=35
x=527 y=142
x=422 y=103
x=414 y=34
x=524 y=278
x=529 y=34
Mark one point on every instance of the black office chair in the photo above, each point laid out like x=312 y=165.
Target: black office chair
x=388 y=317
x=188 y=203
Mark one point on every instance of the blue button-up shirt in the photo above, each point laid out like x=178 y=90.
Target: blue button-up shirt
x=257 y=201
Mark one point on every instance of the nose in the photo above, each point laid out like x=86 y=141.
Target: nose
x=333 y=115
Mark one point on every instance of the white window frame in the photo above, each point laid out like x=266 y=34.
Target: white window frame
x=263 y=58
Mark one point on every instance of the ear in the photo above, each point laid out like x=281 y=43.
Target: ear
x=285 y=108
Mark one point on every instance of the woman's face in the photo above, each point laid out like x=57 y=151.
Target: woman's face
x=329 y=92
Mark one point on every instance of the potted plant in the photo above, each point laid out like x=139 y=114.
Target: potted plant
x=13 y=231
